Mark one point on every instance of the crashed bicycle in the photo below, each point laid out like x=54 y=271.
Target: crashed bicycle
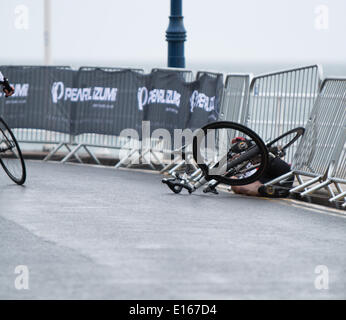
x=229 y=153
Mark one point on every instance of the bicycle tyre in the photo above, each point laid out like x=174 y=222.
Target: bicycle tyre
x=17 y=178
x=262 y=150
x=299 y=132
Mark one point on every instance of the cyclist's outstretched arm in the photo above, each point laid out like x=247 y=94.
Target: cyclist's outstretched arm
x=6 y=87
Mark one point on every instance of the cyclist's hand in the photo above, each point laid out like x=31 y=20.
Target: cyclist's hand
x=9 y=93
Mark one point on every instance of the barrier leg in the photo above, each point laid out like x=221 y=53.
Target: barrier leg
x=300 y=180
x=306 y=184
x=91 y=154
x=153 y=153
x=75 y=155
x=141 y=157
x=318 y=187
x=176 y=167
x=168 y=166
x=72 y=153
x=278 y=179
x=122 y=161
x=54 y=151
x=337 y=197
x=157 y=159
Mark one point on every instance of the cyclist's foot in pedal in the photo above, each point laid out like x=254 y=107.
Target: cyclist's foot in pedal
x=273 y=192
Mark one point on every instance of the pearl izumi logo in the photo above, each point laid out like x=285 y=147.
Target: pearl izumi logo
x=161 y=96
x=60 y=92
x=202 y=101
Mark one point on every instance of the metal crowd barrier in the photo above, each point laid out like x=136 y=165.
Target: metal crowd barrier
x=270 y=104
x=281 y=101
x=39 y=135
x=235 y=97
x=185 y=73
x=320 y=156
x=339 y=176
x=154 y=148
x=87 y=140
x=183 y=156
x=234 y=101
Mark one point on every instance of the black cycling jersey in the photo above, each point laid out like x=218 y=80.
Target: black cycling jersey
x=276 y=168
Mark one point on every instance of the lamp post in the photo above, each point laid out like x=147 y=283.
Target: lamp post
x=47 y=33
x=176 y=36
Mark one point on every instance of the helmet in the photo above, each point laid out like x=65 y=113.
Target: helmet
x=238 y=139
x=240 y=144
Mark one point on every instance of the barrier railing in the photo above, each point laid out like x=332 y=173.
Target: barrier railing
x=320 y=156
x=235 y=97
x=339 y=176
x=186 y=74
x=98 y=123
x=90 y=107
x=43 y=122
x=183 y=155
x=149 y=147
x=281 y=101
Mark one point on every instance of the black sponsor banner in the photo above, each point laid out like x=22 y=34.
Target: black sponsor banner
x=34 y=104
x=104 y=101
x=204 y=101
x=169 y=102
x=164 y=100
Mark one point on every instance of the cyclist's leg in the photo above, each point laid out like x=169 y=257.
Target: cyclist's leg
x=248 y=189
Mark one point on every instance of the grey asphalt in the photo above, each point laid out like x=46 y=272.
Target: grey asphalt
x=87 y=232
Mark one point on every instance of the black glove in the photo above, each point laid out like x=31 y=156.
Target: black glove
x=6 y=86
x=241 y=146
x=277 y=151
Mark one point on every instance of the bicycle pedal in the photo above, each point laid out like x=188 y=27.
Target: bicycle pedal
x=210 y=190
x=174 y=186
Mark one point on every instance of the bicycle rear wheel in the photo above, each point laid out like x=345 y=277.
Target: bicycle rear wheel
x=11 y=158
x=222 y=159
x=287 y=139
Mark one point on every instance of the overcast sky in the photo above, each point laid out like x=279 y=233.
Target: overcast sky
x=219 y=32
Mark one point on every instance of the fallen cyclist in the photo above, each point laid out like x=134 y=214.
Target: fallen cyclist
x=276 y=168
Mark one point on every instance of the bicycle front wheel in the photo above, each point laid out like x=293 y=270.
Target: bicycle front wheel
x=230 y=153
x=11 y=158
